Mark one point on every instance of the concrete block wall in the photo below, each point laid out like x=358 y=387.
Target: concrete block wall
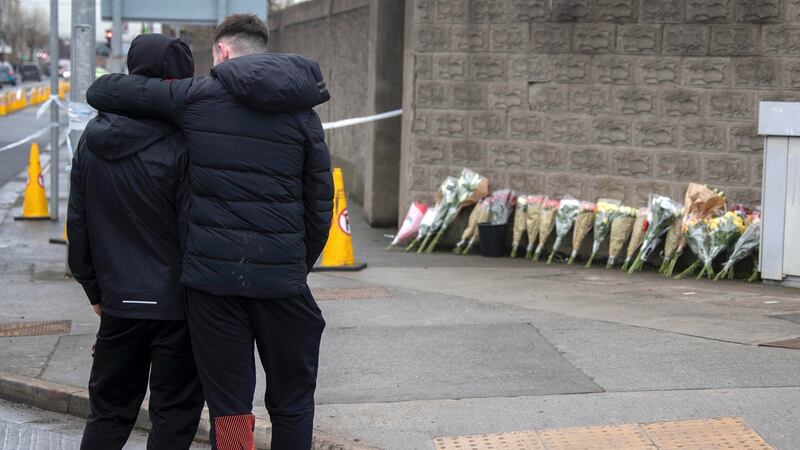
x=594 y=98
x=358 y=44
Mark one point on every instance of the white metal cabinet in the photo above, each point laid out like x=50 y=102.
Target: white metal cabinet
x=779 y=122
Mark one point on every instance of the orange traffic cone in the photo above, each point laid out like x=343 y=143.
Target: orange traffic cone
x=62 y=241
x=35 y=204
x=3 y=106
x=338 y=253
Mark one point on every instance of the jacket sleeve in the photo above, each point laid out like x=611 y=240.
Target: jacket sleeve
x=317 y=190
x=80 y=252
x=139 y=96
x=182 y=193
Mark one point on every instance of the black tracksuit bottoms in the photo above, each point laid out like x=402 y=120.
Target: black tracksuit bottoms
x=126 y=352
x=287 y=333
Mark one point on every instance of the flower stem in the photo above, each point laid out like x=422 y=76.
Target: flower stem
x=689 y=270
x=591 y=259
x=514 y=249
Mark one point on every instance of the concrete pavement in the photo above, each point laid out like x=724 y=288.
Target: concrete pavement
x=454 y=345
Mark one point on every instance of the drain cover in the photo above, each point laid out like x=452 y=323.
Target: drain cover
x=789 y=343
x=350 y=293
x=15 y=329
x=727 y=433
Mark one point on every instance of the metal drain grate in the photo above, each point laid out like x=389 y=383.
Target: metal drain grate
x=789 y=343
x=350 y=293
x=725 y=433
x=15 y=329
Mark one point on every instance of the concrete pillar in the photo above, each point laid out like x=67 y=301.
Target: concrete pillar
x=385 y=93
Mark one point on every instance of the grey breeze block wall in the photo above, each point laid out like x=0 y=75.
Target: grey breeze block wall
x=615 y=98
x=358 y=44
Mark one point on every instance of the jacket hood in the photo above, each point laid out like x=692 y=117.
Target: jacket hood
x=111 y=137
x=160 y=56
x=273 y=82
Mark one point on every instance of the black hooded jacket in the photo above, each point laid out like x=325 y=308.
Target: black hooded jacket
x=128 y=193
x=261 y=193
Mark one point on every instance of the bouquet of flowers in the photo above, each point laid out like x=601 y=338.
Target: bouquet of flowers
x=472 y=225
x=547 y=221
x=483 y=215
x=700 y=202
x=519 y=223
x=532 y=215
x=568 y=211
x=470 y=187
x=410 y=227
x=445 y=198
x=637 y=236
x=424 y=227
x=747 y=244
x=671 y=242
x=604 y=215
x=583 y=224
x=501 y=204
x=663 y=211
x=621 y=227
x=709 y=237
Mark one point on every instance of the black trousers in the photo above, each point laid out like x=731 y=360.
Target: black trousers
x=126 y=352
x=287 y=333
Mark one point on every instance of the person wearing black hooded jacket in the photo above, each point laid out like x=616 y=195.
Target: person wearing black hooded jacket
x=126 y=220
x=261 y=201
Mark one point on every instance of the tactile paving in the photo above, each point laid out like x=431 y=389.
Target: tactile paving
x=706 y=434
x=15 y=329
x=518 y=440
x=350 y=293
x=728 y=433
x=627 y=437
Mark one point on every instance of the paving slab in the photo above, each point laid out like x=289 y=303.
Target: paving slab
x=408 y=363
x=771 y=412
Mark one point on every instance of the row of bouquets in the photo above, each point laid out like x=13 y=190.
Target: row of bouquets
x=702 y=224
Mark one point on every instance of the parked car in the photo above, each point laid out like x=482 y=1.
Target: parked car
x=30 y=72
x=7 y=74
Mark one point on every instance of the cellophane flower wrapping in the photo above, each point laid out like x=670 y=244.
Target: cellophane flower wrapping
x=519 y=224
x=621 y=227
x=501 y=207
x=411 y=224
x=663 y=212
x=605 y=212
x=445 y=199
x=698 y=237
x=568 y=211
x=424 y=227
x=472 y=226
x=583 y=225
x=532 y=216
x=746 y=245
x=470 y=187
x=671 y=242
x=547 y=221
x=725 y=230
x=700 y=202
x=484 y=213
x=637 y=236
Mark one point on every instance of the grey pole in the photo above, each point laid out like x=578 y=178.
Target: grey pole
x=83 y=63
x=116 y=36
x=54 y=109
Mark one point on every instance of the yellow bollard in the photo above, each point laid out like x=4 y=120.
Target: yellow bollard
x=34 y=206
x=338 y=252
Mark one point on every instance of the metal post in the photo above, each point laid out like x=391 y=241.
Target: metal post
x=83 y=64
x=54 y=109
x=116 y=36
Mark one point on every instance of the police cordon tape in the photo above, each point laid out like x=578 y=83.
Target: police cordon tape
x=360 y=120
x=84 y=117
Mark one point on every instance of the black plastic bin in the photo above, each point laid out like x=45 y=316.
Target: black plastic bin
x=493 y=239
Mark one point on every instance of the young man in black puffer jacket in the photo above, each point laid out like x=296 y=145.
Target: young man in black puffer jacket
x=261 y=199
x=125 y=223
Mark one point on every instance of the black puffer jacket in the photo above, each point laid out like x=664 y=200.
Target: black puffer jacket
x=127 y=184
x=261 y=193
